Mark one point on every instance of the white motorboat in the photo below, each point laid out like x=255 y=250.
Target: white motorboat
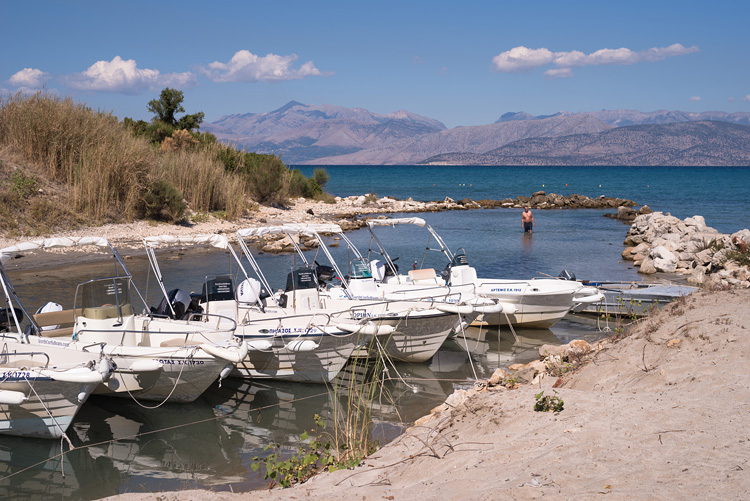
x=409 y=330
x=634 y=298
x=537 y=302
x=295 y=343
x=41 y=390
x=157 y=358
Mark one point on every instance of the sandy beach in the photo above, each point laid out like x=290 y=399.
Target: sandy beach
x=660 y=414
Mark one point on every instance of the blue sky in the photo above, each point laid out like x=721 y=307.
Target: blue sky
x=463 y=63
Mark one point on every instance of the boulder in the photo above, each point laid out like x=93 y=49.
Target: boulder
x=647 y=267
x=551 y=350
x=498 y=376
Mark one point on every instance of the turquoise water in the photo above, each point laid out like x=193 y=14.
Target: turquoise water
x=720 y=194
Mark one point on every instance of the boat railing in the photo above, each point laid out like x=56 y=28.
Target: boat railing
x=5 y=357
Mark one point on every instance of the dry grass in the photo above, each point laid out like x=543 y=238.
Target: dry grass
x=101 y=169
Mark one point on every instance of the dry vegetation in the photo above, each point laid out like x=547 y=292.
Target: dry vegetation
x=63 y=165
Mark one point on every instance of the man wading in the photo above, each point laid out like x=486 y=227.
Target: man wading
x=528 y=220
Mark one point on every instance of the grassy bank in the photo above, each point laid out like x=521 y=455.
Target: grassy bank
x=63 y=165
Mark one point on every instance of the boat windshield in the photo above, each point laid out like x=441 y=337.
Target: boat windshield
x=108 y=296
x=358 y=268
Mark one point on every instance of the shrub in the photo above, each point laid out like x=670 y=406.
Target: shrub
x=162 y=202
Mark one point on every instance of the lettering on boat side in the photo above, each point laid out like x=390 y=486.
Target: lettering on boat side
x=507 y=289
x=52 y=342
x=15 y=375
x=180 y=362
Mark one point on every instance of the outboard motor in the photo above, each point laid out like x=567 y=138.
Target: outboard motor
x=180 y=301
x=566 y=275
x=324 y=273
x=297 y=281
x=220 y=288
x=249 y=292
x=48 y=308
x=6 y=318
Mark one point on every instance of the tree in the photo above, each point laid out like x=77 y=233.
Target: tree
x=190 y=122
x=168 y=104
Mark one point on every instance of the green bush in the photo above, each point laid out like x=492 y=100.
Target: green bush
x=162 y=202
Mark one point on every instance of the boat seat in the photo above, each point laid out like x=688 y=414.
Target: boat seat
x=61 y=332
x=425 y=275
x=105 y=312
x=61 y=320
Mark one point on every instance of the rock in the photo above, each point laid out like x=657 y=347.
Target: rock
x=628 y=253
x=578 y=347
x=526 y=375
x=497 y=377
x=456 y=398
x=647 y=267
x=538 y=194
x=547 y=350
x=673 y=342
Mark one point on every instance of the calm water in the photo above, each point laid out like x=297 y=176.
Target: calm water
x=122 y=447
x=721 y=194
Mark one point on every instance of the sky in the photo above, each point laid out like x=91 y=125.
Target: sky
x=460 y=62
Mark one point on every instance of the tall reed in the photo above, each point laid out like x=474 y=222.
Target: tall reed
x=105 y=168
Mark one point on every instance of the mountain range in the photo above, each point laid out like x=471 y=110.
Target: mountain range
x=335 y=135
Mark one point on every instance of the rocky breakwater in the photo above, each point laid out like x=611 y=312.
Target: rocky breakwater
x=541 y=200
x=660 y=242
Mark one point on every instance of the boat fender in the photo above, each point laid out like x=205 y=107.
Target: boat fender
x=8 y=397
x=106 y=367
x=302 y=346
x=508 y=308
x=259 y=345
x=146 y=366
x=77 y=375
x=488 y=308
x=226 y=371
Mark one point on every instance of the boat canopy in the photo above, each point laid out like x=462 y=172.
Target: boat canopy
x=299 y=229
x=49 y=243
x=399 y=220
x=215 y=240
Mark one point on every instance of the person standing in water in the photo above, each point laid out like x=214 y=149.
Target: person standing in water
x=527 y=218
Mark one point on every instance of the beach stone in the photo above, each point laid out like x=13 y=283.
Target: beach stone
x=698 y=276
x=498 y=376
x=456 y=398
x=647 y=267
x=551 y=350
x=526 y=375
x=578 y=347
x=628 y=253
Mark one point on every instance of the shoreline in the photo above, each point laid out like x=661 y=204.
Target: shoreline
x=347 y=212
x=659 y=413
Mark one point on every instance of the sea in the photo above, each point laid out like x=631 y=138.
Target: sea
x=122 y=446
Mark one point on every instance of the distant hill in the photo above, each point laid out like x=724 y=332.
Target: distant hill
x=683 y=143
x=331 y=135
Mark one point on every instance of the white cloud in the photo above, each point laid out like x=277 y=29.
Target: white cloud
x=29 y=78
x=248 y=67
x=522 y=58
x=559 y=73
x=124 y=76
x=746 y=98
x=694 y=99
